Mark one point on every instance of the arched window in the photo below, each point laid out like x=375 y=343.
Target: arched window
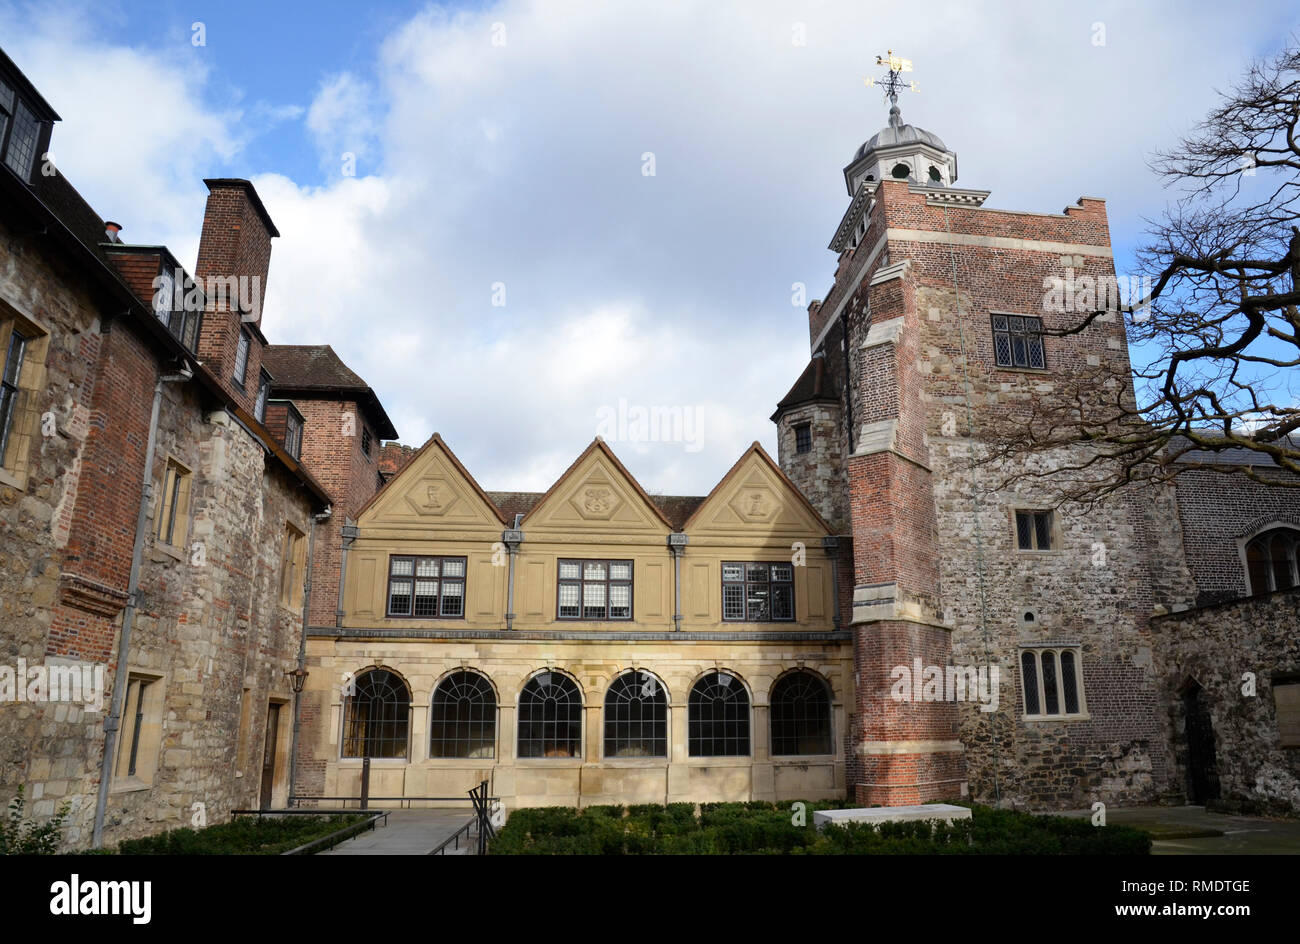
x=901 y=172
x=801 y=715
x=1271 y=560
x=636 y=717
x=717 y=717
x=376 y=717
x=550 y=717
x=463 y=717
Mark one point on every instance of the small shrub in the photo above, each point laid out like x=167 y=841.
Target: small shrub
x=26 y=838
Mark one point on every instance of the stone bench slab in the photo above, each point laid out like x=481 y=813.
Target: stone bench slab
x=946 y=812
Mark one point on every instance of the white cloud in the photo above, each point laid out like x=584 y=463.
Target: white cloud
x=482 y=163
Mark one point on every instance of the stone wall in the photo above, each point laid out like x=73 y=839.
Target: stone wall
x=1235 y=652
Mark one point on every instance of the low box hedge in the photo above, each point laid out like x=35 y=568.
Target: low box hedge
x=249 y=835
x=760 y=828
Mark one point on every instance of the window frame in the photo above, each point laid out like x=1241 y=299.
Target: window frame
x=140 y=744
x=1265 y=538
x=658 y=723
x=263 y=396
x=578 y=718
x=23 y=422
x=692 y=721
x=745 y=583
x=400 y=718
x=9 y=113
x=787 y=679
x=293 y=431
x=802 y=446
x=292 y=563
x=608 y=582
x=490 y=724
x=173 y=504
x=243 y=343
x=414 y=576
x=1035 y=534
x=1040 y=689
x=366 y=443
x=1026 y=333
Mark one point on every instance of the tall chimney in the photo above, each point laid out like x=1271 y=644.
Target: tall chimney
x=234 y=258
x=236 y=242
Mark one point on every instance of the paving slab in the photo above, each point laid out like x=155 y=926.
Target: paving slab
x=409 y=832
x=1184 y=830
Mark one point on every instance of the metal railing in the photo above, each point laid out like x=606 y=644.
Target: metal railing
x=478 y=826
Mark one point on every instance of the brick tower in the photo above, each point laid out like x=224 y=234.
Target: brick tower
x=933 y=340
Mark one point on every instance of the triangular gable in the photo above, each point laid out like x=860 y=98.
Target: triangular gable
x=756 y=497
x=597 y=492
x=432 y=489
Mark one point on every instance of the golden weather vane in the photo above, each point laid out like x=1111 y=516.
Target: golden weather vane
x=892 y=81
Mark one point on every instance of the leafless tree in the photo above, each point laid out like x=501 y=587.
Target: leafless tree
x=1218 y=331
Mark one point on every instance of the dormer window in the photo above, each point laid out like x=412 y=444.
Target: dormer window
x=241 y=357
x=263 y=394
x=293 y=434
x=20 y=132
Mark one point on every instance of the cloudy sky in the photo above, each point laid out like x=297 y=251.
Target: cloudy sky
x=498 y=154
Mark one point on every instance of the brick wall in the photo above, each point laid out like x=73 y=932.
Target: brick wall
x=1218 y=513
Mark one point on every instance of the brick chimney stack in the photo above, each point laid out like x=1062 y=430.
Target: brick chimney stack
x=234 y=259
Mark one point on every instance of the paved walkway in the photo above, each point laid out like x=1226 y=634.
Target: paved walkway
x=409 y=832
x=1175 y=831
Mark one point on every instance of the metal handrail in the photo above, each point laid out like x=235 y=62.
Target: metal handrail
x=338 y=836
x=454 y=838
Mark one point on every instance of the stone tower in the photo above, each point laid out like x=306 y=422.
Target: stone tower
x=934 y=339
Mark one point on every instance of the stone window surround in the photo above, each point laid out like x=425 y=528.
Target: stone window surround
x=1245 y=540
x=1042 y=339
x=1056 y=548
x=151 y=732
x=1038 y=649
x=1287 y=680
x=176 y=548
x=31 y=380
x=510 y=758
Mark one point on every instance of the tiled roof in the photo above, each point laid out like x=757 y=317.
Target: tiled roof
x=815 y=383
x=309 y=366
x=1235 y=456
x=315 y=368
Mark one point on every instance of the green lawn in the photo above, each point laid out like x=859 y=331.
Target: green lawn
x=767 y=829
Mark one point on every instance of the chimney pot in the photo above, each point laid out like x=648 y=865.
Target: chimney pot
x=111 y=230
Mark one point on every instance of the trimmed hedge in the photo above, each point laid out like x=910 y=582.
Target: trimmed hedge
x=766 y=829
x=247 y=835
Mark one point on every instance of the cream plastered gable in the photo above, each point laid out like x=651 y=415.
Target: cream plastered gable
x=755 y=499
x=596 y=494
x=431 y=493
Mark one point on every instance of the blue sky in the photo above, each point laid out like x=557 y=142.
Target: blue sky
x=518 y=163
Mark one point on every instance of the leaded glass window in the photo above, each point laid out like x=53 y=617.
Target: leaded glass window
x=426 y=587
x=636 y=716
x=463 y=717
x=1018 y=341
x=757 y=592
x=1052 y=682
x=594 y=590
x=717 y=717
x=550 y=717
x=376 y=717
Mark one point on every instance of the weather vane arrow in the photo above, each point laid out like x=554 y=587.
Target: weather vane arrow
x=892 y=81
